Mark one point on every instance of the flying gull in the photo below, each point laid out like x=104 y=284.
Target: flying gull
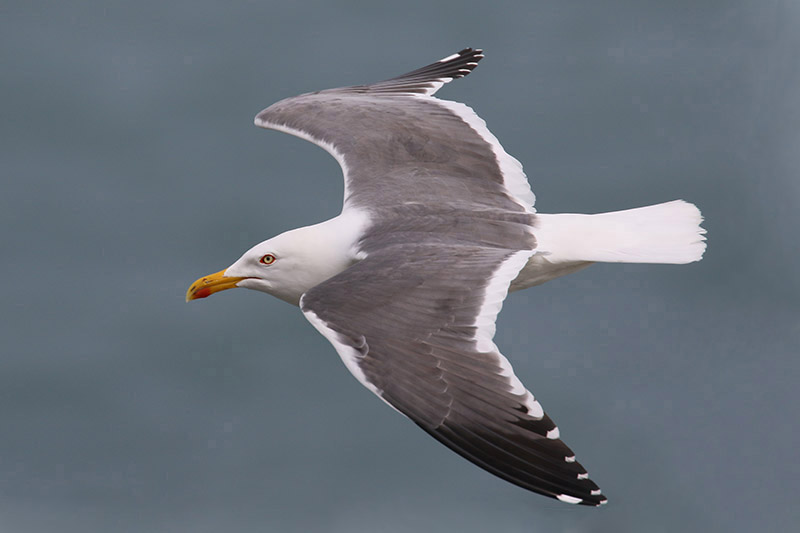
x=437 y=227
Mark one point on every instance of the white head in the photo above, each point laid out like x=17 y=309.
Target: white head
x=285 y=266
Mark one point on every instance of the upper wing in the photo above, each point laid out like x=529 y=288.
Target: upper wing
x=414 y=323
x=397 y=144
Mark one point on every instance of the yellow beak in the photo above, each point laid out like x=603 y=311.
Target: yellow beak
x=208 y=285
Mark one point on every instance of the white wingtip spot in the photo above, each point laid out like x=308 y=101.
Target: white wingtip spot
x=603 y=502
x=554 y=434
x=585 y=475
x=570 y=459
x=449 y=58
x=597 y=493
x=569 y=499
x=534 y=408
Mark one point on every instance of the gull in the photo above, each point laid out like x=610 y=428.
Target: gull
x=437 y=227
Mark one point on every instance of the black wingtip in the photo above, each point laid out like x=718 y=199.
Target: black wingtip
x=462 y=63
x=428 y=79
x=453 y=66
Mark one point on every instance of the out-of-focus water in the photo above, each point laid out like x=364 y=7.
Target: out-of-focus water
x=130 y=166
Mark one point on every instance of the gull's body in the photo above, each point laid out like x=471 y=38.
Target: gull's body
x=437 y=227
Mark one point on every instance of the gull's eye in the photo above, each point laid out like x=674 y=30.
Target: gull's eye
x=267 y=259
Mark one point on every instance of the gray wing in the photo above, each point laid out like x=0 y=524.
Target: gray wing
x=414 y=323
x=397 y=144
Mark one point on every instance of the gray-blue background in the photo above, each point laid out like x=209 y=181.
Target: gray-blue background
x=130 y=166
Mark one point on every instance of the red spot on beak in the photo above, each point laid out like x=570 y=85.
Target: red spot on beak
x=203 y=292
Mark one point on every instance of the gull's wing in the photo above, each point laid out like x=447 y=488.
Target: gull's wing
x=414 y=323
x=397 y=144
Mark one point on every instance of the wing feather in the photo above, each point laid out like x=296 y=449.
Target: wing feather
x=397 y=144
x=415 y=340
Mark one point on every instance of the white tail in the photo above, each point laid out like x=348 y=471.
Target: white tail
x=663 y=233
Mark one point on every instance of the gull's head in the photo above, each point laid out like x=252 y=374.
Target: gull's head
x=275 y=266
x=285 y=266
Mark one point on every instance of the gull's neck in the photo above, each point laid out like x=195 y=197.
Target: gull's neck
x=322 y=251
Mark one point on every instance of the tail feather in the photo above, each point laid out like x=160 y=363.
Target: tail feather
x=663 y=233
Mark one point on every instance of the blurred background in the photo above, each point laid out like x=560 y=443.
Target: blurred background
x=130 y=167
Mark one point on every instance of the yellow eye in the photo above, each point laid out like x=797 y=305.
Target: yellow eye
x=267 y=259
